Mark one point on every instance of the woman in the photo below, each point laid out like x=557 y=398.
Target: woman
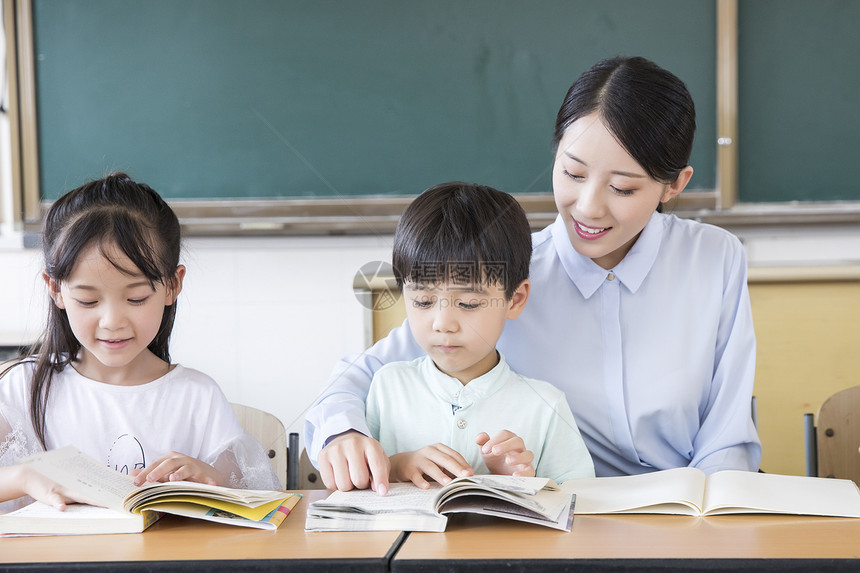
x=642 y=319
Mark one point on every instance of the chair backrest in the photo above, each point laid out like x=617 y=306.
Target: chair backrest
x=309 y=477
x=838 y=435
x=269 y=431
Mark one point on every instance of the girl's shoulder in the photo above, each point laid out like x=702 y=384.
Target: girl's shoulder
x=197 y=385
x=185 y=372
x=191 y=377
x=17 y=371
x=15 y=383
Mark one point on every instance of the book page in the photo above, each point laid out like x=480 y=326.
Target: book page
x=401 y=498
x=73 y=512
x=253 y=513
x=677 y=490
x=152 y=492
x=380 y=522
x=546 y=502
x=555 y=505
x=78 y=519
x=732 y=491
x=271 y=519
x=83 y=475
x=515 y=484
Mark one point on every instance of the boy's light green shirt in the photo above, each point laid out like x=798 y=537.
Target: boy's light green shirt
x=414 y=404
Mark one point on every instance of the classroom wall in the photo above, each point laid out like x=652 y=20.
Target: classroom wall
x=807 y=350
x=268 y=317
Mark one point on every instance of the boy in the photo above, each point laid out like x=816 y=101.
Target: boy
x=461 y=259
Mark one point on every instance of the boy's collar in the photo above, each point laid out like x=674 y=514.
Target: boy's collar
x=475 y=389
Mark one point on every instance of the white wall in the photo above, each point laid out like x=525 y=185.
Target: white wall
x=820 y=245
x=266 y=317
x=22 y=298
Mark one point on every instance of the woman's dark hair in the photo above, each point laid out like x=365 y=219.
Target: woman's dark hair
x=647 y=109
x=463 y=233
x=113 y=212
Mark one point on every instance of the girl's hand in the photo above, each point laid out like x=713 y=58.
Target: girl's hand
x=437 y=462
x=175 y=467
x=506 y=454
x=42 y=489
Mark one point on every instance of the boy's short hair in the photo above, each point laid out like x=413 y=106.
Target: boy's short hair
x=465 y=234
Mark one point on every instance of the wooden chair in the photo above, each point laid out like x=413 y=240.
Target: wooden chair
x=269 y=431
x=833 y=447
x=309 y=477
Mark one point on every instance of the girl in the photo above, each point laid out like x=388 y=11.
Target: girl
x=100 y=377
x=643 y=319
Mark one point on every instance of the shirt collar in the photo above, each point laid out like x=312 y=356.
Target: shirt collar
x=631 y=271
x=451 y=389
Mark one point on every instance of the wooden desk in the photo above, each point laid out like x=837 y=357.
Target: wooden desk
x=638 y=542
x=472 y=543
x=179 y=544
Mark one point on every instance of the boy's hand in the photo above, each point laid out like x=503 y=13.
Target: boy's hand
x=438 y=462
x=353 y=460
x=506 y=454
x=175 y=467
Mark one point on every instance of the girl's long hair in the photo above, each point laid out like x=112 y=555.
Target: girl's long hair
x=111 y=212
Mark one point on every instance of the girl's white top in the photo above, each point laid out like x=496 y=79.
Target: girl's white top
x=129 y=427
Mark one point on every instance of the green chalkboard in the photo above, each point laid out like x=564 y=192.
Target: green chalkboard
x=248 y=99
x=799 y=100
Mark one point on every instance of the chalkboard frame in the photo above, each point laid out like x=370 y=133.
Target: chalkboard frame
x=379 y=214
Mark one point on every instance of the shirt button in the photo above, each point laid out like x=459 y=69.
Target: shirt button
x=461 y=423
x=610 y=277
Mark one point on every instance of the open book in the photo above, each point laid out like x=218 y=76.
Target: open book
x=410 y=508
x=688 y=491
x=118 y=506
